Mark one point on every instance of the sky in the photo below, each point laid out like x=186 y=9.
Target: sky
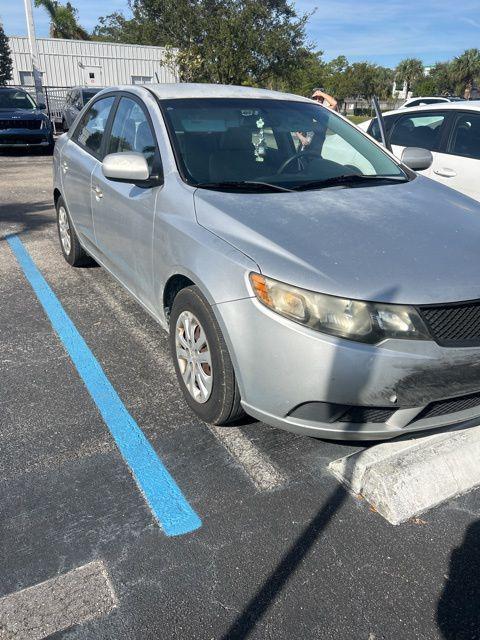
x=381 y=31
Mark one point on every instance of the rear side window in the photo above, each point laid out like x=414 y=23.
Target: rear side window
x=423 y=131
x=131 y=131
x=465 y=139
x=91 y=128
x=419 y=103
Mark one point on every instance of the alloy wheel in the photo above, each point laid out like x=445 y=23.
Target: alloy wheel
x=194 y=356
x=64 y=229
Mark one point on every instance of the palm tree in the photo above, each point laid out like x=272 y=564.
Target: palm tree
x=408 y=72
x=63 y=20
x=465 y=69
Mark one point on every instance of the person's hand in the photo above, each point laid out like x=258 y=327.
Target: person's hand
x=325 y=99
x=319 y=95
x=303 y=139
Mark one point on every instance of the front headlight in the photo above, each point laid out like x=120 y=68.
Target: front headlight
x=369 y=322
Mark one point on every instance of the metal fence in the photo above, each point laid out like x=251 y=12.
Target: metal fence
x=363 y=107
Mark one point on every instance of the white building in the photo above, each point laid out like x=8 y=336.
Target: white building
x=399 y=91
x=67 y=63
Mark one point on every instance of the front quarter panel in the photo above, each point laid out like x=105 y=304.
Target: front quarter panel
x=183 y=247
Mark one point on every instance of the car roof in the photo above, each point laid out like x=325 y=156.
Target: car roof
x=172 y=90
x=470 y=105
x=83 y=88
x=446 y=98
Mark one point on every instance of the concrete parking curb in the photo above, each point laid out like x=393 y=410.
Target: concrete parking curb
x=404 y=478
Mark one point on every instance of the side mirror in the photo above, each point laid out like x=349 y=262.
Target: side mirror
x=41 y=106
x=416 y=158
x=126 y=167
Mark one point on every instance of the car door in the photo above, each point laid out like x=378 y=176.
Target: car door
x=424 y=129
x=459 y=165
x=124 y=213
x=79 y=156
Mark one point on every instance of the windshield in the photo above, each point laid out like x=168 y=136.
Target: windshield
x=280 y=143
x=15 y=99
x=88 y=93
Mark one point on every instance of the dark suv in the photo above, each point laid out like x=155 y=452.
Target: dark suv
x=22 y=122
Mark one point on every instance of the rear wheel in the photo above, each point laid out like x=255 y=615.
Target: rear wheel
x=201 y=359
x=72 y=251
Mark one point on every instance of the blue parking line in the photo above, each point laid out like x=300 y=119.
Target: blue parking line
x=164 y=497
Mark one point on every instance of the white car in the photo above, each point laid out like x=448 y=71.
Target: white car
x=451 y=131
x=420 y=102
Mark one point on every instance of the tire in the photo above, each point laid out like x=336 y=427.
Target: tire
x=51 y=146
x=220 y=403
x=72 y=251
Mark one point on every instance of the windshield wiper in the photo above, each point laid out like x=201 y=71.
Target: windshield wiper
x=347 y=178
x=241 y=184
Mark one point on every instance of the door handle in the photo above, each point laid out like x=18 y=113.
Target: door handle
x=445 y=172
x=97 y=191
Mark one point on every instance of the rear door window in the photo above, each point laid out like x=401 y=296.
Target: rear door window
x=465 y=138
x=416 y=130
x=91 y=128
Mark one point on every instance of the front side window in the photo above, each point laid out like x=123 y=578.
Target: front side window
x=465 y=139
x=90 y=129
x=15 y=99
x=131 y=131
x=283 y=143
x=423 y=131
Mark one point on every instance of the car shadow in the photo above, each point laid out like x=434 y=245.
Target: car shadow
x=266 y=595
x=25 y=216
x=458 y=609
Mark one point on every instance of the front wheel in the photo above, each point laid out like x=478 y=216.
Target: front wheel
x=201 y=359
x=72 y=250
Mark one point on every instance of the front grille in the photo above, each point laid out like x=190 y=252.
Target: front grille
x=366 y=414
x=451 y=405
x=20 y=124
x=454 y=325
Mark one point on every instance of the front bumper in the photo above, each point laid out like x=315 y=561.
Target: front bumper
x=283 y=367
x=25 y=137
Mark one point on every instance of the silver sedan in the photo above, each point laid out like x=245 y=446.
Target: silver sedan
x=306 y=276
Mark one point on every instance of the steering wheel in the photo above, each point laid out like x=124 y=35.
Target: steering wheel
x=296 y=156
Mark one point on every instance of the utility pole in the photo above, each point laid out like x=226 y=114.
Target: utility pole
x=37 y=76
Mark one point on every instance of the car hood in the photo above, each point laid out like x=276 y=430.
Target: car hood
x=413 y=243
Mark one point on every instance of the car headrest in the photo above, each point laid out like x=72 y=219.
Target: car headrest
x=237 y=138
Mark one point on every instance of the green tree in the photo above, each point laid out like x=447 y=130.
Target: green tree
x=409 y=71
x=6 y=64
x=357 y=80
x=336 y=78
x=465 y=70
x=308 y=74
x=220 y=41
x=438 y=82
x=63 y=20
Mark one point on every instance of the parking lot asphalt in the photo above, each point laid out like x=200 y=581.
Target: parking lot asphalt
x=283 y=551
